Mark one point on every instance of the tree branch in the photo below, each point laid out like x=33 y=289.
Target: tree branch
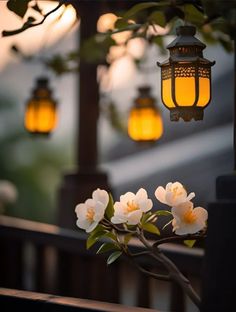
x=161 y=277
x=28 y=24
x=174 y=272
x=181 y=238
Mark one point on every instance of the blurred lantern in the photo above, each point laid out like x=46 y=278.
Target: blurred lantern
x=145 y=122
x=41 y=114
x=186 y=77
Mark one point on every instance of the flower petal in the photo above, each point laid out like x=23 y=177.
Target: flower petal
x=81 y=210
x=145 y=205
x=190 y=196
x=119 y=208
x=90 y=202
x=91 y=227
x=201 y=213
x=83 y=223
x=177 y=184
x=169 y=186
x=141 y=194
x=129 y=196
x=99 y=211
x=134 y=217
x=160 y=194
x=180 y=210
x=117 y=219
x=101 y=196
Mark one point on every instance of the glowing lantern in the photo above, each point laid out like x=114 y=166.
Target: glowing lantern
x=186 y=77
x=41 y=114
x=145 y=122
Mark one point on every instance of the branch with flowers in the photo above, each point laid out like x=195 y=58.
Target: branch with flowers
x=132 y=217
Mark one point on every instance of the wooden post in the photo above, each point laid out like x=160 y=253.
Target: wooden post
x=78 y=186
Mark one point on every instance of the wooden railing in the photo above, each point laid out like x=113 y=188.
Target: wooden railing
x=12 y=300
x=45 y=258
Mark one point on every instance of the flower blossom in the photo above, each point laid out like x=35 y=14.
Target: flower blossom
x=8 y=192
x=173 y=195
x=188 y=220
x=91 y=212
x=131 y=207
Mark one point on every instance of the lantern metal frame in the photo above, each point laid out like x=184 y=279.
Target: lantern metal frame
x=186 y=60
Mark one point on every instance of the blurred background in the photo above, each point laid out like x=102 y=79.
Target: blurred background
x=193 y=153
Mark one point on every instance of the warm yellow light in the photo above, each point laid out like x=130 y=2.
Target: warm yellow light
x=41 y=113
x=40 y=116
x=179 y=91
x=166 y=93
x=185 y=93
x=145 y=124
x=204 y=91
x=106 y=22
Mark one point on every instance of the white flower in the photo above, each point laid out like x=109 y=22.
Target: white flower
x=91 y=212
x=173 y=195
x=8 y=192
x=188 y=220
x=131 y=207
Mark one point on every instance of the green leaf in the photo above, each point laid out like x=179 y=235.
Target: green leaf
x=121 y=23
x=113 y=257
x=145 y=217
x=158 y=18
x=18 y=7
x=91 y=240
x=189 y=242
x=107 y=247
x=193 y=16
x=132 y=27
x=94 y=236
x=110 y=235
x=143 y=6
x=163 y=213
x=149 y=227
x=109 y=212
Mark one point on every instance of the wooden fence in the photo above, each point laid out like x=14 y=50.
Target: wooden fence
x=48 y=259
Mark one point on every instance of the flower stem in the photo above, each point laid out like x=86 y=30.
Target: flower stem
x=181 y=238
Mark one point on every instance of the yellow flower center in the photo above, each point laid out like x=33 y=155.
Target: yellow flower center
x=90 y=214
x=131 y=206
x=189 y=217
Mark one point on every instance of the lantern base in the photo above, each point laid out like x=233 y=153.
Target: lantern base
x=186 y=113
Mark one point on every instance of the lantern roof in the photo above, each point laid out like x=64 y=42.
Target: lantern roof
x=185 y=38
x=144 y=97
x=176 y=59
